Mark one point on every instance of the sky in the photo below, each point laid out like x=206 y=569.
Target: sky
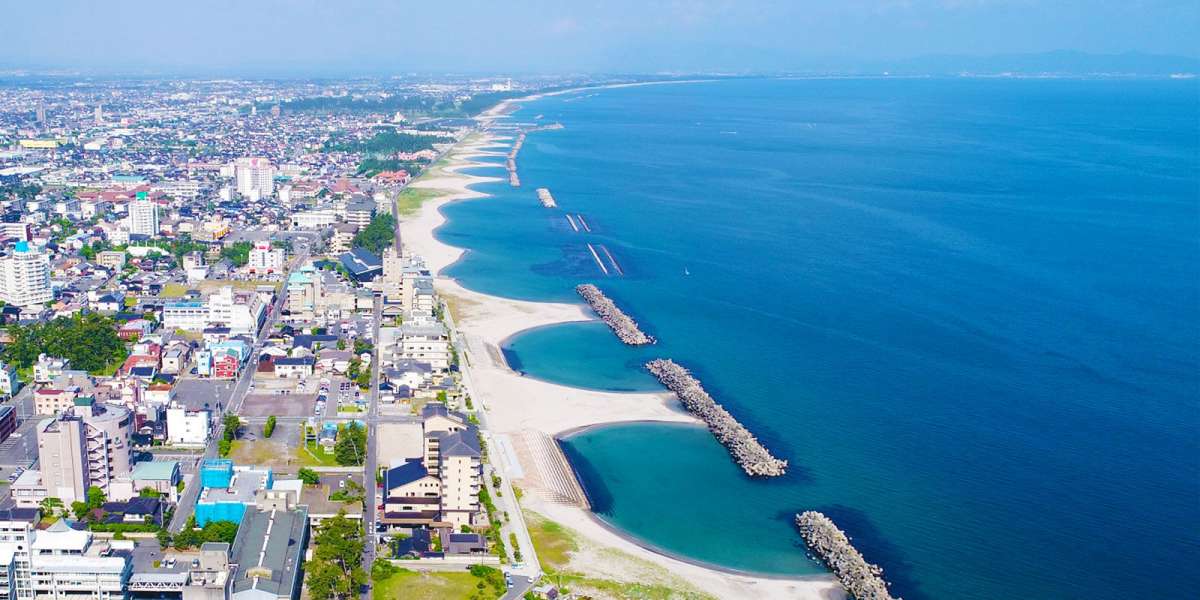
x=614 y=36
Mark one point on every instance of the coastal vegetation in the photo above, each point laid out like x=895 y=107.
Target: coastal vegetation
x=402 y=584
x=410 y=199
x=378 y=234
x=370 y=167
x=385 y=142
x=89 y=341
x=572 y=564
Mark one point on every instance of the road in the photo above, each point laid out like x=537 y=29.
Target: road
x=370 y=465
x=187 y=501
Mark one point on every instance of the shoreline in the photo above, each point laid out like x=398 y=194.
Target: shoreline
x=518 y=404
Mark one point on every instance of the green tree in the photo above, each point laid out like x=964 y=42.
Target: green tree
x=95 y=497
x=164 y=538
x=351 y=445
x=309 y=476
x=231 y=424
x=269 y=427
x=219 y=531
x=378 y=234
x=52 y=506
x=89 y=341
x=238 y=253
x=80 y=509
x=336 y=569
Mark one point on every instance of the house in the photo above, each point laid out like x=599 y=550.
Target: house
x=48 y=367
x=411 y=496
x=10 y=384
x=162 y=476
x=417 y=545
x=138 y=509
x=463 y=543
x=294 y=367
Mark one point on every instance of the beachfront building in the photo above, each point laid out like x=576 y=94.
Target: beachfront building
x=453 y=455
x=423 y=340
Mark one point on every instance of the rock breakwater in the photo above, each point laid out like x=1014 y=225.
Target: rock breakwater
x=862 y=580
x=623 y=325
x=746 y=450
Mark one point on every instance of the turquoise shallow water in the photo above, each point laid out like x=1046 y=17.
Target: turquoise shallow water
x=967 y=311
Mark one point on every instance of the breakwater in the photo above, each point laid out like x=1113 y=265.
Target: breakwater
x=623 y=325
x=747 y=451
x=862 y=580
x=546 y=198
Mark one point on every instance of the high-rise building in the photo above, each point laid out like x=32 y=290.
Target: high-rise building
x=40 y=113
x=99 y=115
x=255 y=177
x=25 y=277
x=87 y=446
x=143 y=216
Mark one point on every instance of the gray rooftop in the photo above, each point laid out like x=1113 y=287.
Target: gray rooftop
x=268 y=551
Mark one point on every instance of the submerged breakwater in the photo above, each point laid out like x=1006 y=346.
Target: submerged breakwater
x=861 y=579
x=747 y=451
x=623 y=325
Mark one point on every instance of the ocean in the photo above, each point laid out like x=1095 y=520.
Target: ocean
x=967 y=311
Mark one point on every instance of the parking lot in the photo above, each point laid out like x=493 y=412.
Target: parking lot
x=199 y=394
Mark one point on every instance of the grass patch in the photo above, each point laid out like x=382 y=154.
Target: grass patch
x=173 y=290
x=412 y=585
x=410 y=199
x=311 y=454
x=554 y=543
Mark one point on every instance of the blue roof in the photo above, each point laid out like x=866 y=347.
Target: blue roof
x=410 y=471
x=22 y=246
x=360 y=262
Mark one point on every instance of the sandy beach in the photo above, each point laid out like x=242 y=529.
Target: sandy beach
x=524 y=413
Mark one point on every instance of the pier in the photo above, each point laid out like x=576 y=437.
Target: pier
x=546 y=198
x=862 y=580
x=583 y=223
x=623 y=325
x=574 y=227
x=746 y=450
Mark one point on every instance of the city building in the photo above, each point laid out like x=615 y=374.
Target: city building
x=143 y=216
x=187 y=427
x=265 y=259
x=64 y=563
x=10 y=383
x=255 y=177
x=25 y=277
x=453 y=456
x=83 y=447
x=268 y=553
x=359 y=211
x=226 y=490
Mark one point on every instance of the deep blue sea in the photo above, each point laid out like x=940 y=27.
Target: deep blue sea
x=967 y=311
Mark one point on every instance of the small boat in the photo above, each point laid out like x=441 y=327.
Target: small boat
x=686 y=271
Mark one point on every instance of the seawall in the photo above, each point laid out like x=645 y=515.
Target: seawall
x=747 y=451
x=862 y=580
x=623 y=325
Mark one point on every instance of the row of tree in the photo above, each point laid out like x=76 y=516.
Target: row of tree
x=336 y=570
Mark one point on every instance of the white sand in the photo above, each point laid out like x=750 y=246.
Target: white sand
x=515 y=403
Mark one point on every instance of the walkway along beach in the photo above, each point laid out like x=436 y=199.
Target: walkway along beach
x=523 y=411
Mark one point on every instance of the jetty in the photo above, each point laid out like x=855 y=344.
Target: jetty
x=574 y=227
x=583 y=223
x=746 y=450
x=862 y=580
x=546 y=198
x=513 y=180
x=623 y=325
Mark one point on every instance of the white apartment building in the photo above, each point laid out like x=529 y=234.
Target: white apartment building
x=15 y=537
x=187 y=427
x=64 y=564
x=185 y=315
x=314 y=219
x=255 y=177
x=25 y=277
x=143 y=216
x=265 y=259
x=241 y=312
x=424 y=341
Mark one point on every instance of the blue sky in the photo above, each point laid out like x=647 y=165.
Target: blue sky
x=530 y=36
